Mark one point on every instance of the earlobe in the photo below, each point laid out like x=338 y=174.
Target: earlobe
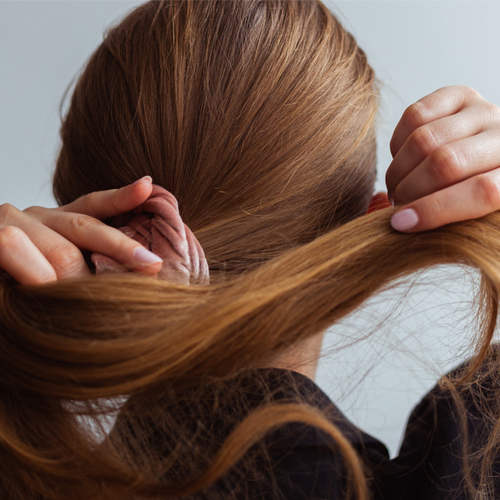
x=379 y=201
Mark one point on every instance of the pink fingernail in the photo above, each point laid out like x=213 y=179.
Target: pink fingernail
x=142 y=179
x=145 y=256
x=404 y=220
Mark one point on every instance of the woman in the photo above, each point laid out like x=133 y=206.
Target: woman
x=259 y=118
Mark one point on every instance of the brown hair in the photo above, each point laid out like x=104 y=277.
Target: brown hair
x=259 y=117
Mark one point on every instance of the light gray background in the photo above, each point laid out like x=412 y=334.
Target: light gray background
x=415 y=48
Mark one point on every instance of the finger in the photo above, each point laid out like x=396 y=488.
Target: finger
x=443 y=102
x=105 y=204
x=91 y=234
x=20 y=258
x=470 y=199
x=427 y=138
x=65 y=258
x=450 y=164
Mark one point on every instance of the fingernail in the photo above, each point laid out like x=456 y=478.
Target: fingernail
x=391 y=199
x=145 y=256
x=142 y=179
x=404 y=220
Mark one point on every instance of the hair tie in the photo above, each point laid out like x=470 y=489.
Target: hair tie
x=158 y=226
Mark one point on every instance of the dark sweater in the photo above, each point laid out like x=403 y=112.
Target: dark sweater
x=297 y=461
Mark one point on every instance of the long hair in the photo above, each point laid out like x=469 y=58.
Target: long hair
x=259 y=117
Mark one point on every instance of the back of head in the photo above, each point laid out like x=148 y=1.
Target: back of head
x=257 y=115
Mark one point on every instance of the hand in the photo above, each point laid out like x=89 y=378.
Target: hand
x=41 y=245
x=446 y=151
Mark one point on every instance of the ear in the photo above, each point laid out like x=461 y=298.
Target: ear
x=379 y=201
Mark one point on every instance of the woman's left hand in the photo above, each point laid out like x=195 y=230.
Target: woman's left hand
x=446 y=165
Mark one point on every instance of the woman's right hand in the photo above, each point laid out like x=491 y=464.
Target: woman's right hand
x=40 y=245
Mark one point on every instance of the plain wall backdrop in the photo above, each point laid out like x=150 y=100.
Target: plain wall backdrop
x=415 y=48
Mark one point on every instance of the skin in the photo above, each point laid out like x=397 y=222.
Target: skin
x=446 y=158
x=41 y=245
x=446 y=168
x=302 y=358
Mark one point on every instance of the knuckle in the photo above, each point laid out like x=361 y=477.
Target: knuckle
x=34 y=210
x=389 y=180
x=445 y=166
x=415 y=115
x=7 y=212
x=493 y=112
x=437 y=213
x=489 y=191
x=88 y=201
x=66 y=258
x=424 y=141
x=393 y=146
x=11 y=237
x=81 y=223
x=399 y=196
x=470 y=94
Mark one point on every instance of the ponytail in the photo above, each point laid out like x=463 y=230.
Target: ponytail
x=59 y=357
x=259 y=117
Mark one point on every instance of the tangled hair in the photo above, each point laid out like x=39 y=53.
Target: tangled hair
x=259 y=117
